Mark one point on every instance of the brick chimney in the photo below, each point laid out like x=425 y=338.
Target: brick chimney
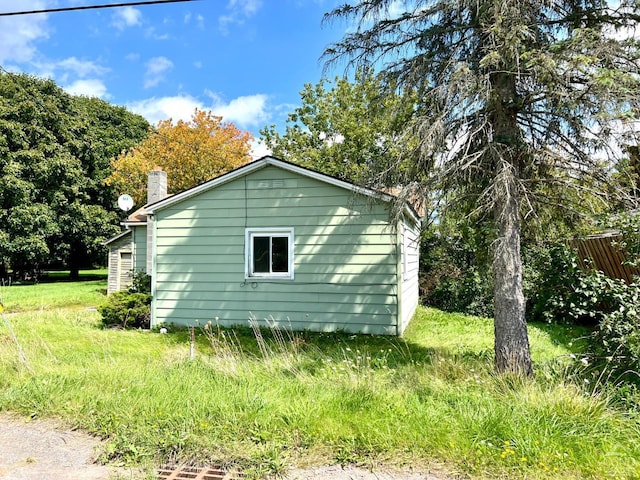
x=156 y=191
x=157 y=185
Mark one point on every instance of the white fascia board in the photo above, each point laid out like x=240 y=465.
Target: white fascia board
x=227 y=177
x=264 y=162
x=117 y=237
x=133 y=224
x=413 y=215
x=331 y=180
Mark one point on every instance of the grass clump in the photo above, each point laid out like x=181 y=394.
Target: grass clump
x=267 y=399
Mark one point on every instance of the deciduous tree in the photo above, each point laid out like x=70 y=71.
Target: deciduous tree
x=518 y=98
x=190 y=152
x=344 y=128
x=54 y=149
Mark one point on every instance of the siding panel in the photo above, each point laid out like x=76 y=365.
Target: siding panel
x=139 y=248
x=410 y=263
x=345 y=257
x=115 y=274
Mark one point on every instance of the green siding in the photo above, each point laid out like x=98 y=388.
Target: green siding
x=346 y=265
x=139 y=248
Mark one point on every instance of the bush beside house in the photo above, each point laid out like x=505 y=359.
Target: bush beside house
x=129 y=308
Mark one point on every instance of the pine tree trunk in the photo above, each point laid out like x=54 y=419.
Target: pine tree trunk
x=511 y=345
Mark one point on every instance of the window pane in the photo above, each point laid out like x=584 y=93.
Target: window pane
x=261 y=254
x=280 y=254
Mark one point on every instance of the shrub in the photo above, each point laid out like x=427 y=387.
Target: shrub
x=140 y=282
x=617 y=336
x=127 y=310
x=559 y=291
x=455 y=276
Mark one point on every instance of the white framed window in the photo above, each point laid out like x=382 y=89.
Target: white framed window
x=269 y=253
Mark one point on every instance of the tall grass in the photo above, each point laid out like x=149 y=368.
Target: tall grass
x=266 y=400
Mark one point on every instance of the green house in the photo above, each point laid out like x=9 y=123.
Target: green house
x=278 y=242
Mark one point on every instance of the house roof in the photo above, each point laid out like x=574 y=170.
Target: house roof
x=117 y=237
x=139 y=216
x=272 y=161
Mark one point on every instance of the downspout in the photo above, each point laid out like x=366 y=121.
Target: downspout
x=134 y=254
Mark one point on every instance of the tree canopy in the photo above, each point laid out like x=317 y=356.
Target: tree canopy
x=519 y=100
x=190 y=152
x=347 y=130
x=54 y=151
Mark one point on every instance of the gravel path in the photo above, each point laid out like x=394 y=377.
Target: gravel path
x=41 y=449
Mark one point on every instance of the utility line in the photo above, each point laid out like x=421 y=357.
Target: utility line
x=89 y=7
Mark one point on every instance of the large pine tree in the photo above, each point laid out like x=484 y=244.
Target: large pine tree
x=519 y=98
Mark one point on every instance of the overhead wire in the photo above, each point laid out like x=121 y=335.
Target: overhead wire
x=92 y=7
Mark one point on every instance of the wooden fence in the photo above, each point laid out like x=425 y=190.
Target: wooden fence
x=599 y=252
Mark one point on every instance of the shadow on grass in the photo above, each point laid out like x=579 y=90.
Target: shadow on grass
x=55 y=276
x=575 y=338
x=395 y=351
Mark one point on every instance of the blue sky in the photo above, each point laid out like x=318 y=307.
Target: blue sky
x=245 y=60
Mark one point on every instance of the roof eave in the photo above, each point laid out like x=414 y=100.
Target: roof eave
x=132 y=224
x=116 y=238
x=263 y=163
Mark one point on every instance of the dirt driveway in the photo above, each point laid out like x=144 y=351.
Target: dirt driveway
x=41 y=449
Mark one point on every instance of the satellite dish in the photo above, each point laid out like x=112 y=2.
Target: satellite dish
x=125 y=202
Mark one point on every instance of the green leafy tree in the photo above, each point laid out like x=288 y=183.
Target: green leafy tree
x=344 y=128
x=520 y=99
x=107 y=131
x=54 y=150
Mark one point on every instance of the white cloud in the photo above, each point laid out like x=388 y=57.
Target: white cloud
x=88 y=88
x=626 y=31
x=73 y=73
x=246 y=7
x=20 y=33
x=238 y=11
x=246 y=111
x=126 y=17
x=259 y=149
x=81 y=68
x=180 y=107
x=156 y=68
x=152 y=33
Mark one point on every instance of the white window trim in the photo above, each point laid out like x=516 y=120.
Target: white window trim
x=248 y=252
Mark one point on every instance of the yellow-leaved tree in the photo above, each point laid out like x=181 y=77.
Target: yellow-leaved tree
x=190 y=152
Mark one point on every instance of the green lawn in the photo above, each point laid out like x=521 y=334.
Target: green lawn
x=269 y=403
x=45 y=296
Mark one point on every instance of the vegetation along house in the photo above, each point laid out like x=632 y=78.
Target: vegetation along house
x=272 y=240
